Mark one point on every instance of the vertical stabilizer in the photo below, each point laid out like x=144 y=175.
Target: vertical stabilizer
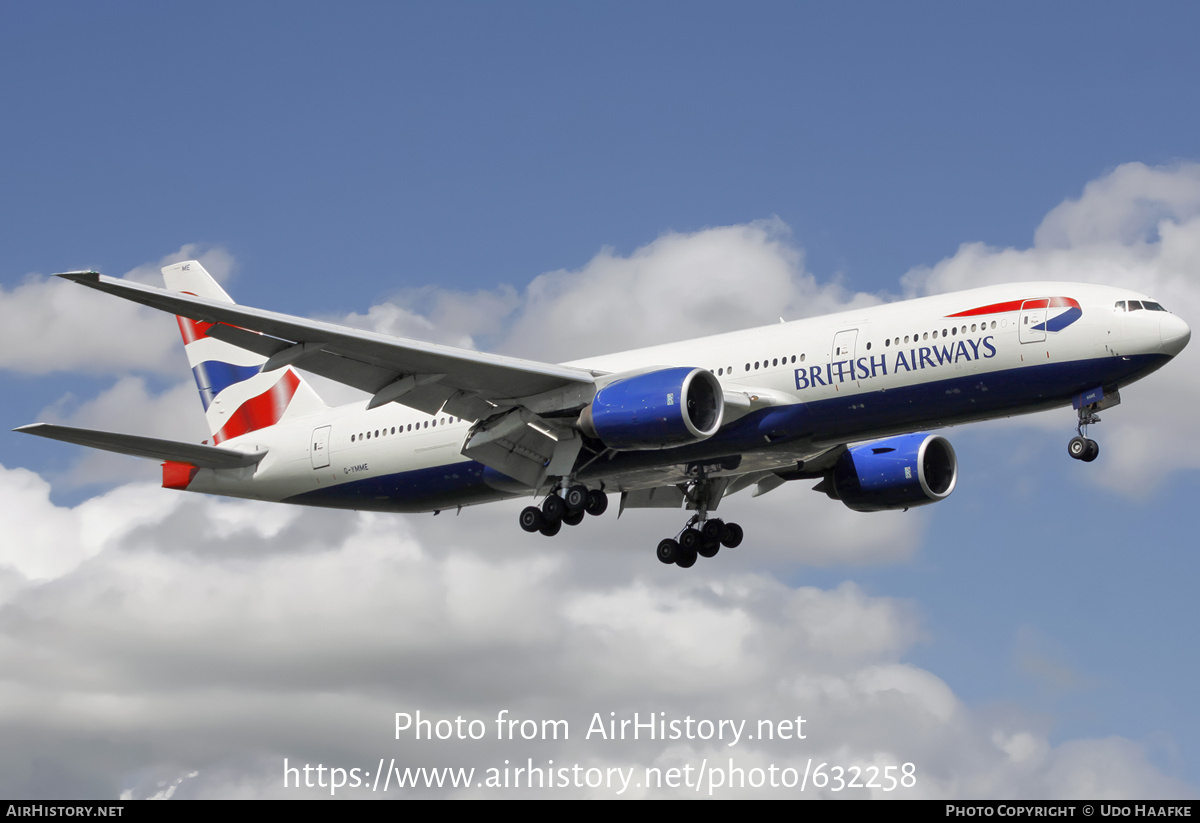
x=238 y=396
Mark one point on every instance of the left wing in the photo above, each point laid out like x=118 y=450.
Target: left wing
x=425 y=376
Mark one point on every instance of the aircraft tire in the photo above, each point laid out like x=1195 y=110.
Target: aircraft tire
x=573 y=518
x=691 y=539
x=1092 y=451
x=712 y=530
x=597 y=502
x=709 y=548
x=532 y=519
x=686 y=559
x=551 y=528
x=732 y=536
x=668 y=551
x=576 y=498
x=553 y=508
x=1078 y=447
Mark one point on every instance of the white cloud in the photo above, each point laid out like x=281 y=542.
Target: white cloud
x=436 y=315
x=679 y=286
x=200 y=642
x=49 y=325
x=1125 y=207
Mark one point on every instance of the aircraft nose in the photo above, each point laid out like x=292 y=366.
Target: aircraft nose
x=1175 y=334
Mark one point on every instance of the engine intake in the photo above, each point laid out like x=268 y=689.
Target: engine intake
x=896 y=473
x=656 y=410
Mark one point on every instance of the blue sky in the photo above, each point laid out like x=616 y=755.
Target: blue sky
x=459 y=172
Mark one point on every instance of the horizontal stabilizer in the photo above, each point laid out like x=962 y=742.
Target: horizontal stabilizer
x=204 y=457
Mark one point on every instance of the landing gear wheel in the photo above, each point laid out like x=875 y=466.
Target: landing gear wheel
x=1092 y=451
x=553 y=508
x=551 y=528
x=576 y=498
x=691 y=539
x=573 y=519
x=668 y=551
x=686 y=558
x=709 y=548
x=732 y=536
x=712 y=530
x=1078 y=447
x=532 y=519
x=597 y=502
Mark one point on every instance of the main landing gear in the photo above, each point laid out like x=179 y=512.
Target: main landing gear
x=1080 y=447
x=700 y=538
x=568 y=507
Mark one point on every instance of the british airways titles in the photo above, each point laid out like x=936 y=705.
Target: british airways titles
x=914 y=359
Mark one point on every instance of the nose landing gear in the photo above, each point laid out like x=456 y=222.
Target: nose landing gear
x=1080 y=447
x=1083 y=449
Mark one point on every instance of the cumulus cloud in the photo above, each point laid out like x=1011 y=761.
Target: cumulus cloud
x=50 y=325
x=679 y=286
x=437 y=315
x=1125 y=207
x=183 y=653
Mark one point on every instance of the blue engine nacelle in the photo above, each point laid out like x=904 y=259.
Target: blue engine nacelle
x=897 y=473
x=656 y=410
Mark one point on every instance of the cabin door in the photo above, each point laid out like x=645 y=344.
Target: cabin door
x=320 y=447
x=1032 y=322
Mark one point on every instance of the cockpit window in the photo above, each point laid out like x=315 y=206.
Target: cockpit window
x=1138 y=305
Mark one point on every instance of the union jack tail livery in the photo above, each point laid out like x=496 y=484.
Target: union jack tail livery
x=239 y=396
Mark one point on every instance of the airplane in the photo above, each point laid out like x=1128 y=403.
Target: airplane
x=845 y=399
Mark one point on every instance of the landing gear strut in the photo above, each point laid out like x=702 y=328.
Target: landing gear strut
x=1080 y=447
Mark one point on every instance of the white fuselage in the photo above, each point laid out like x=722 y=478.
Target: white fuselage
x=807 y=385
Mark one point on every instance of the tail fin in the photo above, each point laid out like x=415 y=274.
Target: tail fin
x=238 y=397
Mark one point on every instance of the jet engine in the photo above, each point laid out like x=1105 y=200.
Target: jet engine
x=896 y=473
x=655 y=410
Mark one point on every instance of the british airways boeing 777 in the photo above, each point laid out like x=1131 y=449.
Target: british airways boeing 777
x=842 y=399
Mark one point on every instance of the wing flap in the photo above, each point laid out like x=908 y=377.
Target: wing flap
x=204 y=457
